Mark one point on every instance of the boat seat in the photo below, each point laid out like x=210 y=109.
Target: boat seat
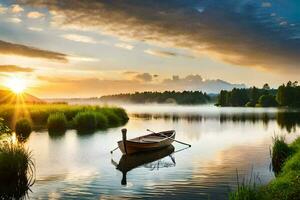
x=152 y=139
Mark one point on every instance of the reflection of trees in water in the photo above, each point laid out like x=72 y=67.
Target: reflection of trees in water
x=286 y=120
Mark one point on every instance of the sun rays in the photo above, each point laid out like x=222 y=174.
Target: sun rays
x=17 y=85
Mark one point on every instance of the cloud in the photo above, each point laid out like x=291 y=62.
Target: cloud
x=196 y=82
x=86 y=87
x=35 y=29
x=145 y=77
x=15 y=20
x=253 y=40
x=161 y=53
x=78 y=87
x=8 y=48
x=124 y=46
x=266 y=4
x=79 y=38
x=16 y=8
x=283 y=23
x=2 y=9
x=82 y=59
x=14 y=69
x=35 y=15
x=130 y=73
x=141 y=77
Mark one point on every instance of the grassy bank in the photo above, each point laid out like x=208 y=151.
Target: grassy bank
x=16 y=166
x=59 y=117
x=286 y=185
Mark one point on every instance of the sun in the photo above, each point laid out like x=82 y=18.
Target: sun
x=16 y=84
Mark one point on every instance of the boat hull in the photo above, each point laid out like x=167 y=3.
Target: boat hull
x=137 y=145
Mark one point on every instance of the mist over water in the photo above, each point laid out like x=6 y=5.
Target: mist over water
x=223 y=140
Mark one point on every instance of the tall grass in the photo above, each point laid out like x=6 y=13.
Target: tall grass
x=16 y=170
x=280 y=152
x=23 y=129
x=246 y=188
x=85 y=121
x=57 y=123
x=101 y=120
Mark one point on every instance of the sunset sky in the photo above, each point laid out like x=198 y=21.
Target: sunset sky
x=84 y=48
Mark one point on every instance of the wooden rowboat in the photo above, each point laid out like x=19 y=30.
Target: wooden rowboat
x=150 y=142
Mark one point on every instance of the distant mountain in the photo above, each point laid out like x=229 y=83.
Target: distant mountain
x=7 y=96
x=215 y=86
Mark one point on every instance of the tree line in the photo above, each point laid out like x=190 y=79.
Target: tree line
x=287 y=95
x=185 y=97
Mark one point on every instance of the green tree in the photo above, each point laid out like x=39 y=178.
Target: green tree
x=267 y=101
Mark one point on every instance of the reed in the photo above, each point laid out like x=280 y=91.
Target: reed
x=23 y=129
x=85 y=121
x=16 y=171
x=280 y=152
x=113 y=119
x=57 y=123
x=246 y=188
x=101 y=120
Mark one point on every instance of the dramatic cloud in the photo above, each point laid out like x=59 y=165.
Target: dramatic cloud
x=239 y=32
x=15 y=8
x=35 y=15
x=14 y=69
x=124 y=46
x=79 y=38
x=8 y=48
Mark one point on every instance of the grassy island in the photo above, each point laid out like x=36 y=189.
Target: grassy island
x=59 y=117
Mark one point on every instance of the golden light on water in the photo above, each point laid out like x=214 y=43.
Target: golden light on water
x=16 y=84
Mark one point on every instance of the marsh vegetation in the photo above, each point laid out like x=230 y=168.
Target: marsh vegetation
x=17 y=170
x=59 y=117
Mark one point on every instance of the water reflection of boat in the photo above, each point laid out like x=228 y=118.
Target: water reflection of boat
x=147 y=159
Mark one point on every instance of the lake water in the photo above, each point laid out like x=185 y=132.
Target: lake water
x=224 y=141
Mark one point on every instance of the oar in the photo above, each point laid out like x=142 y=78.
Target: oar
x=113 y=150
x=170 y=138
